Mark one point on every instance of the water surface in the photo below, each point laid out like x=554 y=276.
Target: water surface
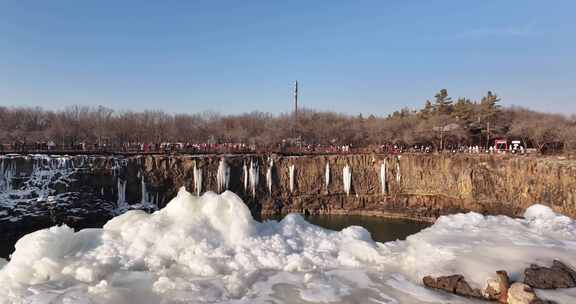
x=381 y=229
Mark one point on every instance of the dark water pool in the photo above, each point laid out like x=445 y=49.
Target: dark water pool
x=381 y=229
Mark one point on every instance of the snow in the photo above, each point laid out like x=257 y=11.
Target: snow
x=208 y=249
x=536 y=212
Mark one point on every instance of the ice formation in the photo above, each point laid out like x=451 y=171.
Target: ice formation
x=347 y=179
x=327 y=175
x=269 y=175
x=7 y=173
x=46 y=171
x=197 y=172
x=121 y=203
x=245 y=172
x=398 y=173
x=254 y=176
x=208 y=249
x=291 y=170
x=383 y=177
x=223 y=176
x=145 y=195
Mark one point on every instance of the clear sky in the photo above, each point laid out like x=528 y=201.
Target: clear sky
x=240 y=56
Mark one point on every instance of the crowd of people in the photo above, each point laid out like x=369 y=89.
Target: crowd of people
x=238 y=148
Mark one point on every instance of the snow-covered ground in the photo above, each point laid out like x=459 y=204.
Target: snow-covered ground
x=209 y=249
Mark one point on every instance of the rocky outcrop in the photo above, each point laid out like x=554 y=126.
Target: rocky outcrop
x=455 y=284
x=496 y=289
x=520 y=293
x=414 y=186
x=557 y=276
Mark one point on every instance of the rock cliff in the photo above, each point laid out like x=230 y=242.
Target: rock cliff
x=40 y=190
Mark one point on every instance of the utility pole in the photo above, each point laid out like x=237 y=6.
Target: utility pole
x=295 y=107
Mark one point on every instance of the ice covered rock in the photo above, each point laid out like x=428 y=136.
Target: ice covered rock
x=557 y=276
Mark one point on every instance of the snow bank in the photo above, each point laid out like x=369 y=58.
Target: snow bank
x=209 y=249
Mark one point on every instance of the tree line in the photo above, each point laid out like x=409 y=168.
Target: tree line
x=441 y=123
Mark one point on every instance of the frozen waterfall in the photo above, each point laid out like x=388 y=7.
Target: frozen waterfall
x=327 y=175
x=7 y=172
x=291 y=173
x=223 y=176
x=254 y=176
x=121 y=189
x=347 y=178
x=245 y=172
x=197 y=179
x=398 y=173
x=383 y=178
x=145 y=196
x=269 y=175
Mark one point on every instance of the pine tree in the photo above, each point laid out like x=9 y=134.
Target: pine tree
x=463 y=110
x=489 y=107
x=443 y=103
x=427 y=111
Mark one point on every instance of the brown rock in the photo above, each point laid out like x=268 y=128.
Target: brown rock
x=520 y=293
x=455 y=284
x=497 y=289
x=557 y=276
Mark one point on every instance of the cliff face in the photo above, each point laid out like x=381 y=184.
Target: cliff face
x=413 y=186
x=47 y=190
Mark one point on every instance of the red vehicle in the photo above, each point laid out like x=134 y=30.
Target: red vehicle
x=501 y=144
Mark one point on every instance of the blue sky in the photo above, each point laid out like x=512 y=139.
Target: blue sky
x=240 y=56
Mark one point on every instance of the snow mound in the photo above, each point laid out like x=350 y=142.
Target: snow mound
x=209 y=249
x=539 y=212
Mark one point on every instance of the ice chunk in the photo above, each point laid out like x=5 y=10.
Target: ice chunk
x=209 y=249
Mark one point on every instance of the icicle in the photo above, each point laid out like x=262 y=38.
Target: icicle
x=254 y=176
x=197 y=179
x=269 y=175
x=398 y=174
x=145 y=197
x=291 y=173
x=327 y=175
x=347 y=178
x=245 y=171
x=223 y=176
x=121 y=188
x=383 y=177
x=7 y=173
